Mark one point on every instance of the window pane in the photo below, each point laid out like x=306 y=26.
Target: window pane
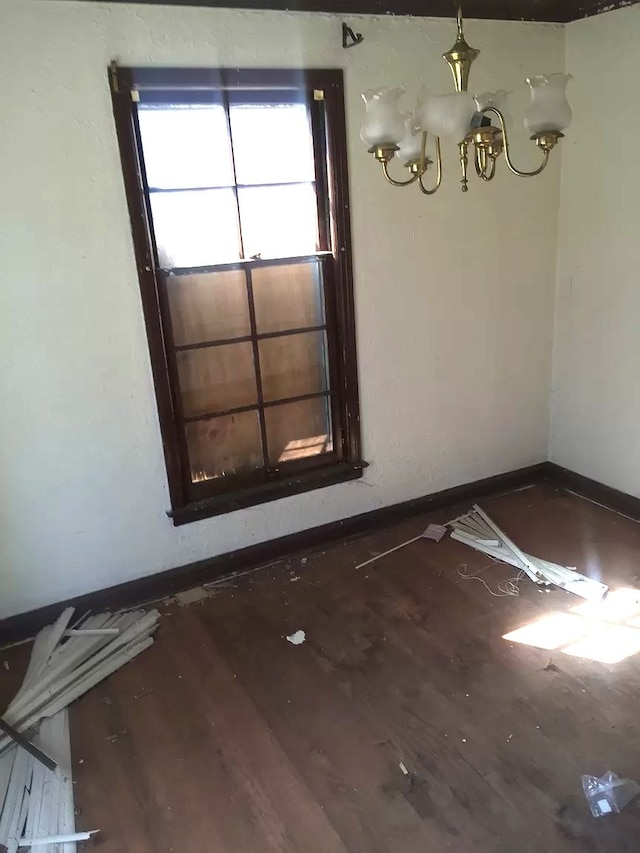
x=208 y=307
x=196 y=229
x=298 y=430
x=279 y=222
x=186 y=146
x=221 y=446
x=272 y=143
x=293 y=365
x=214 y=379
x=288 y=297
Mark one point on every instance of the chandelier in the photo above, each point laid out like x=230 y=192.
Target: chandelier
x=463 y=119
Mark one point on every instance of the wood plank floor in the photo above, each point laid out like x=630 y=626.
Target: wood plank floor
x=226 y=737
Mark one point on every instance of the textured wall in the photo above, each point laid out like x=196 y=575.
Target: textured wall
x=596 y=391
x=454 y=294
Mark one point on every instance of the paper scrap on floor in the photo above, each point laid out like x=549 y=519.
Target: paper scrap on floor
x=297 y=638
x=479 y=532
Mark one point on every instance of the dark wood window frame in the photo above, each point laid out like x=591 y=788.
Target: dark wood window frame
x=324 y=91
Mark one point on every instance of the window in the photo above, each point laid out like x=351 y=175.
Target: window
x=237 y=190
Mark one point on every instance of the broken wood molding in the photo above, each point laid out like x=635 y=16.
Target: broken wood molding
x=58 y=839
x=473 y=529
x=26 y=744
x=529 y=567
x=62 y=670
x=37 y=809
x=434 y=532
x=36 y=803
x=91 y=632
x=390 y=551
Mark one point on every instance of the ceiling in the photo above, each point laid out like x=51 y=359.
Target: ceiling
x=506 y=10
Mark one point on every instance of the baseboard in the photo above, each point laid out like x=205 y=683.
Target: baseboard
x=594 y=491
x=228 y=565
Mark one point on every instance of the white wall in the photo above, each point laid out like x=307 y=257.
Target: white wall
x=454 y=294
x=596 y=389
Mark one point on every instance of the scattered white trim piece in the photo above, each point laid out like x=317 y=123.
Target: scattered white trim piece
x=297 y=638
x=434 y=532
x=19 y=782
x=36 y=805
x=91 y=632
x=390 y=551
x=58 y=839
x=35 y=801
x=14 y=842
x=59 y=673
x=6 y=764
x=529 y=567
x=15 y=786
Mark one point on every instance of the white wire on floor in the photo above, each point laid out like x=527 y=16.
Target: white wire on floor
x=506 y=588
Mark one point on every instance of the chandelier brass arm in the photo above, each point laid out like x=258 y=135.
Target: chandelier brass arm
x=385 y=171
x=487 y=143
x=385 y=153
x=545 y=141
x=438 y=167
x=487 y=174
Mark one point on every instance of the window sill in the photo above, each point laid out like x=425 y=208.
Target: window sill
x=293 y=485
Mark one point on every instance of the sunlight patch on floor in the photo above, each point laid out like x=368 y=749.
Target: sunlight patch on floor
x=607 y=631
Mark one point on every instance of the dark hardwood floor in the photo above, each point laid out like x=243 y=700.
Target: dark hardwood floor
x=226 y=737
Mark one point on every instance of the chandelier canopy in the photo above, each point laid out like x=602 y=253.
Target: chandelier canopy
x=463 y=119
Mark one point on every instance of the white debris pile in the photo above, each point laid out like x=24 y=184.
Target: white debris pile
x=37 y=803
x=479 y=532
